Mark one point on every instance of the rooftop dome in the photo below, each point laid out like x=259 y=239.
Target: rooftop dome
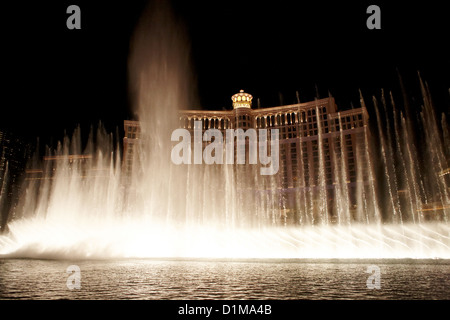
x=242 y=100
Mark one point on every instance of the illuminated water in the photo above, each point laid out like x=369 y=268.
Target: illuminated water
x=197 y=279
x=138 y=239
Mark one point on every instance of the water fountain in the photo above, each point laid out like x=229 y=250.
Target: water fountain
x=90 y=209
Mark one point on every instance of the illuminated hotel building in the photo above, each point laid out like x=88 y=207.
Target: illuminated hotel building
x=320 y=147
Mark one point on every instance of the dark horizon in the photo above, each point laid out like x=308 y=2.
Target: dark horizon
x=58 y=78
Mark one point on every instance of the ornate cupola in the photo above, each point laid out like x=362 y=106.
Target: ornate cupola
x=242 y=100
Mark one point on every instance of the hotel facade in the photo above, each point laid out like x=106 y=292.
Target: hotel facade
x=323 y=151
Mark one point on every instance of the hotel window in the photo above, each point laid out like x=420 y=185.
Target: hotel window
x=349 y=150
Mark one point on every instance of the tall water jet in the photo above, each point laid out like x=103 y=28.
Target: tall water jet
x=342 y=183
x=437 y=183
x=323 y=204
x=3 y=194
x=416 y=197
x=161 y=83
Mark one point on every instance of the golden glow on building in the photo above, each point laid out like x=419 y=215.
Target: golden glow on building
x=242 y=100
x=320 y=147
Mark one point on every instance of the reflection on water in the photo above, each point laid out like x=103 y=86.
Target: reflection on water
x=201 y=279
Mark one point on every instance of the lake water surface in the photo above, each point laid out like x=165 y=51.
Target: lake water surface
x=225 y=279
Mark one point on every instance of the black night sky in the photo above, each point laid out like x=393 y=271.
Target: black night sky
x=54 y=78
